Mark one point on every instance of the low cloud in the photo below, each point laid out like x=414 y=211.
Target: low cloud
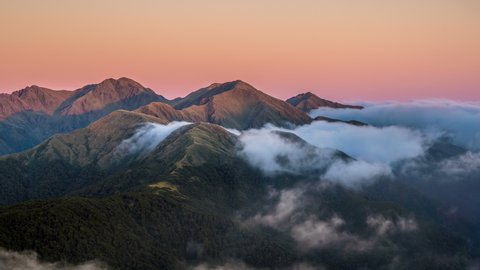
x=293 y=215
x=383 y=225
x=274 y=153
x=459 y=120
x=461 y=166
x=316 y=149
x=282 y=215
x=314 y=233
x=356 y=173
x=238 y=265
x=227 y=266
x=147 y=137
x=29 y=260
x=368 y=143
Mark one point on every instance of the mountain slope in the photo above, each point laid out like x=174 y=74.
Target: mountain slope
x=132 y=231
x=309 y=101
x=189 y=200
x=68 y=162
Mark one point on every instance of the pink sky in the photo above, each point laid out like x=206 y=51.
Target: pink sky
x=343 y=50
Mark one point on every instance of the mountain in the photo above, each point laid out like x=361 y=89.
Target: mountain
x=332 y=120
x=33 y=114
x=108 y=95
x=233 y=104
x=309 y=101
x=32 y=98
x=66 y=162
x=192 y=199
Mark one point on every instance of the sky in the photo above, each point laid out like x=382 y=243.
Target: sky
x=341 y=50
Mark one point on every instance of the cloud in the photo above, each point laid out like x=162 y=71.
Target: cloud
x=459 y=120
x=293 y=214
x=372 y=144
x=356 y=173
x=28 y=260
x=274 y=153
x=227 y=266
x=383 y=225
x=313 y=149
x=147 y=137
x=281 y=215
x=461 y=166
x=314 y=233
x=238 y=265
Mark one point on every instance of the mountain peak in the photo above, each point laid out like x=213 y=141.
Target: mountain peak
x=120 y=82
x=110 y=93
x=309 y=101
x=202 y=95
x=32 y=98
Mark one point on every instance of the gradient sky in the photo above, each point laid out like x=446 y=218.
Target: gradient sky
x=339 y=49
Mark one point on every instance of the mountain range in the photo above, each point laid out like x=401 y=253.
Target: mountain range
x=114 y=172
x=33 y=114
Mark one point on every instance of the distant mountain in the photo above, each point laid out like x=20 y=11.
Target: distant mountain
x=309 y=101
x=33 y=114
x=32 y=98
x=233 y=105
x=332 y=120
x=108 y=95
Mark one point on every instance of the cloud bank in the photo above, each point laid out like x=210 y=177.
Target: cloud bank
x=458 y=120
x=29 y=261
x=276 y=152
x=294 y=214
x=313 y=147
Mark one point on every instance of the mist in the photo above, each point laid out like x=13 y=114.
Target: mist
x=458 y=120
x=320 y=147
x=147 y=137
x=28 y=260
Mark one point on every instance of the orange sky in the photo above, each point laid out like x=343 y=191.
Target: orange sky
x=339 y=49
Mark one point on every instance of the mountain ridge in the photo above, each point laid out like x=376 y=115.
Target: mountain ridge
x=309 y=101
x=34 y=113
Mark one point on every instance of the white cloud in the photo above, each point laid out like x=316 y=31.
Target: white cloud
x=356 y=173
x=147 y=137
x=460 y=120
x=372 y=144
x=236 y=265
x=29 y=261
x=226 y=266
x=383 y=225
x=282 y=214
x=462 y=165
x=274 y=153
x=375 y=150
x=314 y=233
